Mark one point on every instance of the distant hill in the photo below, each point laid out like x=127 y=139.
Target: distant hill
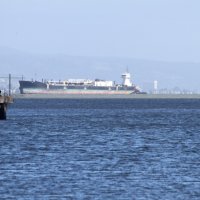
x=59 y=66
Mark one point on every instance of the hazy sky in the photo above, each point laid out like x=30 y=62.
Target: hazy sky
x=166 y=30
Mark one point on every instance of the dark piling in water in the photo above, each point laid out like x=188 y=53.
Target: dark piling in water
x=3 y=108
x=4 y=101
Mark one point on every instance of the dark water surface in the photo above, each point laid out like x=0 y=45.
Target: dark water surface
x=101 y=149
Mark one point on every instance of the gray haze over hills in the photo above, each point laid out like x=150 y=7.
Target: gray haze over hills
x=156 y=39
x=60 y=66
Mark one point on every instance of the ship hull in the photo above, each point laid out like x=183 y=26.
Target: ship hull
x=74 y=91
x=29 y=87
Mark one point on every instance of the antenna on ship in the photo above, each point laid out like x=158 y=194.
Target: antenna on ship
x=127 y=71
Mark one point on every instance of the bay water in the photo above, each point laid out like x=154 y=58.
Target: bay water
x=101 y=149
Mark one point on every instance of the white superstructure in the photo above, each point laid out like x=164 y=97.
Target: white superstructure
x=97 y=82
x=126 y=79
x=71 y=82
x=103 y=83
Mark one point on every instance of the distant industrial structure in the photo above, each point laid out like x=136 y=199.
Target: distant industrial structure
x=155 y=86
x=175 y=90
x=9 y=84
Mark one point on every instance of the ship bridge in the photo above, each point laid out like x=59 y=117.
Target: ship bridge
x=126 y=79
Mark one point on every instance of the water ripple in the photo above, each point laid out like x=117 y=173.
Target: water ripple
x=101 y=149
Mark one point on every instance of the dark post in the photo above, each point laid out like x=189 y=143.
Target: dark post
x=9 y=85
x=2 y=111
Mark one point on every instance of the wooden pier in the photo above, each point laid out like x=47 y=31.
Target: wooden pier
x=4 y=101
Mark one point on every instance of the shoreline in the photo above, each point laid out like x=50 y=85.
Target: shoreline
x=132 y=96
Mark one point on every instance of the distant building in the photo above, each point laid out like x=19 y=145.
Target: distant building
x=155 y=87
